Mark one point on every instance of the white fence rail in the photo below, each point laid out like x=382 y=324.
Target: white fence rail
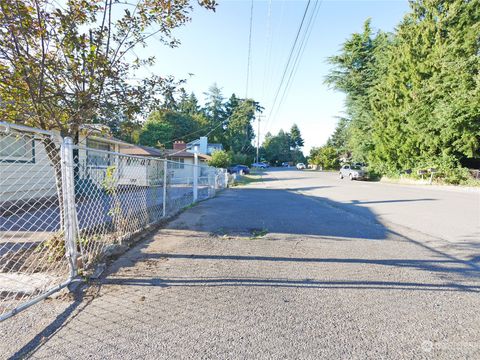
x=63 y=207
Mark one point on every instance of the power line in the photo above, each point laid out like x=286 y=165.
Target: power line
x=249 y=47
x=299 y=55
x=289 y=60
x=208 y=133
x=274 y=68
x=197 y=131
x=268 y=46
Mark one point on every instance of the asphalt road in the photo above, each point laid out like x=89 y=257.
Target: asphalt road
x=447 y=217
x=300 y=265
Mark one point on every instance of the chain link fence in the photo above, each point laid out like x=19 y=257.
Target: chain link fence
x=64 y=207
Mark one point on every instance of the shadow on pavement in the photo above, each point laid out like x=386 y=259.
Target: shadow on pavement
x=240 y=210
x=308 y=283
x=80 y=302
x=447 y=265
x=307 y=188
x=356 y=202
x=289 y=212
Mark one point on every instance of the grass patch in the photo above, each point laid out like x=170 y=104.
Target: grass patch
x=416 y=180
x=247 y=179
x=258 y=233
x=191 y=205
x=257 y=171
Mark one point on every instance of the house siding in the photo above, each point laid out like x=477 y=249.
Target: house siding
x=30 y=181
x=185 y=175
x=179 y=175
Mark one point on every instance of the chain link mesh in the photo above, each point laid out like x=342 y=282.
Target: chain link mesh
x=118 y=195
x=32 y=251
x=114 y=197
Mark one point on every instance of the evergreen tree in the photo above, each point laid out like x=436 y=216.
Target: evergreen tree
x=215 y=112
x=295 y=137
x=166 y=126
x=231 y=105
x=188 y=104
x=355 y=74
x=277 y=148
x=412 y=96
x=339 y=138
x=239 y=133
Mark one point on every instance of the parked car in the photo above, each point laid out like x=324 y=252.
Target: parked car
x=301 y=166
x=285 y=164
x=352 y=172
x=260 y=165
x=361 y=164
x=238 y=169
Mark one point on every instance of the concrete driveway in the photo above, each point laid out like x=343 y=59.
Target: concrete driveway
x=300 y=265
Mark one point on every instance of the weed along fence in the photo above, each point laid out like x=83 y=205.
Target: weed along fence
x=63 y=207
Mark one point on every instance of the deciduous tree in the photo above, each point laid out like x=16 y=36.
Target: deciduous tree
x=64 y=65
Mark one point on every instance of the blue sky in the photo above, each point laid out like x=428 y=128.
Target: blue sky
x=215 y=49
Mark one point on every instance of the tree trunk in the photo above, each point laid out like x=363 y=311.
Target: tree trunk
x=53 y=149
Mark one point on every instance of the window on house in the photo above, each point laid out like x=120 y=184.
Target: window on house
x=178 y=164
x=98 y=158
x=17 y=149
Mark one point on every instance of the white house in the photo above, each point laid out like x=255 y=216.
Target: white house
x=28 y=176
x=203 y=146
x=26 y=171
x=180 y=170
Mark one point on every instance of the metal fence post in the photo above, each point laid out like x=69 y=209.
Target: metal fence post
x=195 y=177
x=212 y=181
x=69 y=213
x=165 y=169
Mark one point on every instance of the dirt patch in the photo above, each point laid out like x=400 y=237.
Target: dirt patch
x=33 y=261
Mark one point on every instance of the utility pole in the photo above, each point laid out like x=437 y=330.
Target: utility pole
x=258 y=135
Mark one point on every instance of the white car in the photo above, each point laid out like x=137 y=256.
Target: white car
x=301 y=166
x=353 y=172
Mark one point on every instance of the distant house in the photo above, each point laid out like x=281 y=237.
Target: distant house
x=26 y=172
x=203 y=146
x=179 y=153
x=180 y=169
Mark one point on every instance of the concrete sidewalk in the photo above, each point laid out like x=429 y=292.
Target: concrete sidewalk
x=266 y=273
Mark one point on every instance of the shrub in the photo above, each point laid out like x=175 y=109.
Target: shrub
x=220 y=159
x=242 y=159
x=326 y=156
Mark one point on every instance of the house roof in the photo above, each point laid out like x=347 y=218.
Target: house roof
x=170 y=153
x=140 y=150
x=109 y=139
x=100 y=132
